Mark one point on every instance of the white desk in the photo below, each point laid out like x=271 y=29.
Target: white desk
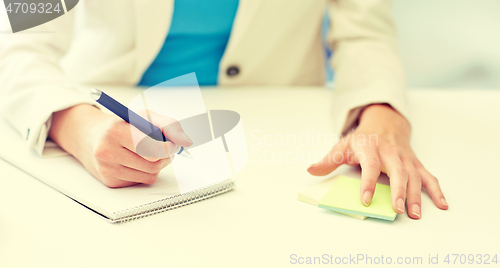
x=261 y=223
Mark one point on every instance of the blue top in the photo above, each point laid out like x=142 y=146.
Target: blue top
x=196 y=41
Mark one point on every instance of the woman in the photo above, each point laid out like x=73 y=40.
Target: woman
x=226 y=42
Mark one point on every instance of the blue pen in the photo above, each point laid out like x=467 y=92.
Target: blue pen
x=132 y=118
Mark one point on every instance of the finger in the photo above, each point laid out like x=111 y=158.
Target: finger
x=132 y=175
x=168 y=151
x=413 y=193
x=172 y=129
x=369 y=160
x=112 y=152
x=120 y=132
x=398 y=180
x=430 y=183
x=135 y=161
x=115 y=183
x=148 y=148
x=125 y=135
x=107 y=175
x=334 y=159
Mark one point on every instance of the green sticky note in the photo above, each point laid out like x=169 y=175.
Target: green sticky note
x=343 y=197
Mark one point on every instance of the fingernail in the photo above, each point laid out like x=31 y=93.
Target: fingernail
x=311 y=167
x=400 y=205
x=186 y=137
x=415 y=210
x=444 y=201
x=367 y=198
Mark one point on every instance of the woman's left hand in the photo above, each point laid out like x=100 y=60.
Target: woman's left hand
x=381 y=143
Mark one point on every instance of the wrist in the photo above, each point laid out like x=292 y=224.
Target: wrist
x=70 y=127
x=384 y=118
x=374 y=109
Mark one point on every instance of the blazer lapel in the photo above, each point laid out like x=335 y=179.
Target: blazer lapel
x=153 y=18
x=247 y=9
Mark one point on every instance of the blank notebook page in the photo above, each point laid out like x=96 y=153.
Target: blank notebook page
x=68 y=176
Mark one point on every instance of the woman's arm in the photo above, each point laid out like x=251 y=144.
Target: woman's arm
x=370 y=98
x=32 y=84
x=365 y=59
x=39 y=101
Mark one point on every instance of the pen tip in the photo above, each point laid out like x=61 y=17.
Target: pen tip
x=95 y=93
x=186 y=154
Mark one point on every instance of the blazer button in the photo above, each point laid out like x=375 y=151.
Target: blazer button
x=232 y=70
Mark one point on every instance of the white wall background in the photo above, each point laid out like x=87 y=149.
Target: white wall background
x=450 y=43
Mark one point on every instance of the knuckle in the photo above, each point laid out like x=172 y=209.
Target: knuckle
x=433 y=179
x=401 y=191
x=366 y=186
x=418 y=165
x=407 y=157
x=104 y=172
x=115 y=130
x=388 y=150
x=170 y=123
x=107 y=179
x=150 y=178
x=428 y=178
x=117 y=124
x=151 y=159
x=412 y=196
x=111 y=183
x=414 y=199
x=373 y=139
x=392 y=142
x=402 y=172
x=156 y=167
x=372 y=163
x=102 y=154
x=416 y=178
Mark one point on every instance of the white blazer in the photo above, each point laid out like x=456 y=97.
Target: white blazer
x=272 y=42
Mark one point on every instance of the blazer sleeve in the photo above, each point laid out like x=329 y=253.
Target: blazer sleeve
x=32 y=84
x=365 y=60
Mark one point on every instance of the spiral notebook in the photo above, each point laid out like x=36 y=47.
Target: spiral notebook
x=66 y=175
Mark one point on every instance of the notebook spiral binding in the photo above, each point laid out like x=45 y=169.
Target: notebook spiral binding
x=172 y=202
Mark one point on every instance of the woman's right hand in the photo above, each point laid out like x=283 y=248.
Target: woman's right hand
x=104 y=145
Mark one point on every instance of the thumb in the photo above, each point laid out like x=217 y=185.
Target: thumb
x=334 y=159
x=171 y=128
